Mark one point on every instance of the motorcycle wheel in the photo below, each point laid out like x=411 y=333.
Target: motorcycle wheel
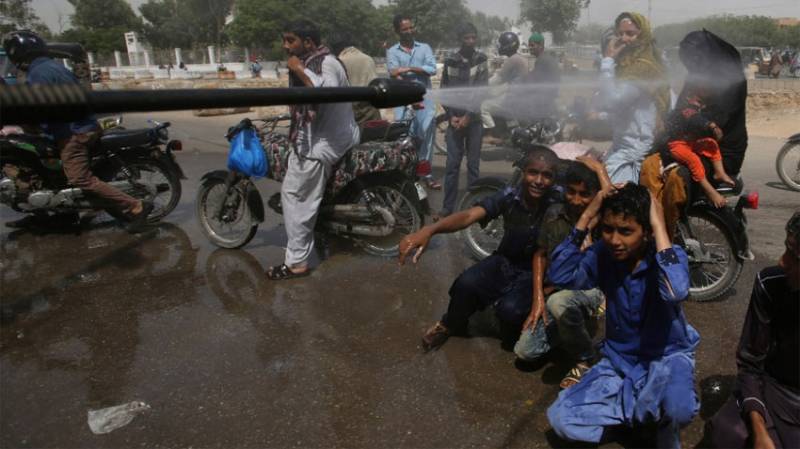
x=236 y=226
x=787 y=164
x=481 y=240
x=440 y=138
x=156 y=174
x=402 y=203
x=714 y=266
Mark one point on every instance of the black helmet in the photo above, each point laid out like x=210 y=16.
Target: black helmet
x=507 y=43
x=23 y=46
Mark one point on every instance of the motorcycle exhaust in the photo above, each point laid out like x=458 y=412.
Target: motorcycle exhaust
x=341 y=216
x=357 y=229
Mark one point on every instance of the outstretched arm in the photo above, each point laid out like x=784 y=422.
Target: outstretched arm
x=452 y=223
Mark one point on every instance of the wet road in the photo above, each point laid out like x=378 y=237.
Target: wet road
x=95 y=318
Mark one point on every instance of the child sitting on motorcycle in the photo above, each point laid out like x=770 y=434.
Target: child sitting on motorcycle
x=691 y=134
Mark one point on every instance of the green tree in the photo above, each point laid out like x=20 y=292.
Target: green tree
x=100 y=25
x=18 y=14
x=436 y=21
x=166 y=26
x=738 y=30
x=559 y=17
x=489 y=27
x=589 y=34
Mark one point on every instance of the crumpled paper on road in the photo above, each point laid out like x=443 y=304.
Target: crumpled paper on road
x=109 y=419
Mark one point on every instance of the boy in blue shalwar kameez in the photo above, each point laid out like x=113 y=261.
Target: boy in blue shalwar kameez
x=647 y=371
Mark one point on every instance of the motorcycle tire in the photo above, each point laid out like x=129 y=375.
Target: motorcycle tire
x=167 y=183
x=787 y=164
x=708 y=244
x=481 y=241
x=211 y=197
x=401 y=198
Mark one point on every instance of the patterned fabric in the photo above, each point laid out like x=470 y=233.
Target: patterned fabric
x=365 y=158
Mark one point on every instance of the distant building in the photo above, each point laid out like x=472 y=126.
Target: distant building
x=784 y=22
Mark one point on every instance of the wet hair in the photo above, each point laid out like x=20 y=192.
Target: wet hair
x=465 y=29
x=633 y=201
x=793 y=227
x=541 y=153
x=304 y=29
x=398 y=19
x=578 y=173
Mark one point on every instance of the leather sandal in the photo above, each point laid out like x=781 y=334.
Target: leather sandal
x=282 y=272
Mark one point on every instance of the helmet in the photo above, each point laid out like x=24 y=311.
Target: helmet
x=23 y=46
x=507 y=43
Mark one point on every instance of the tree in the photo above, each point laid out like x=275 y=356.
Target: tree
x=166 y=26
x=18 y=14
x=489 y=27
x=738 y=30
x=559 y=17
x=100 y=25
x=589 y=34
x=436 y=21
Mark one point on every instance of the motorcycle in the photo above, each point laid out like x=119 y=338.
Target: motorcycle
x=372 y=196
x=787 y=163
x=138 y=162
x=482 y=239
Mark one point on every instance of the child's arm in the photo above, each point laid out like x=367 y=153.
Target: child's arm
x=673 y=279
x=538 y=306
x=715 y=197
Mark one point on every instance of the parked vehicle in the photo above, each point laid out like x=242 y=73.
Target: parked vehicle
x=137 y=162
x=787 y=164
x=372 y=196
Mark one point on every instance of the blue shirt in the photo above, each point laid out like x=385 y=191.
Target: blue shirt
x=44 y=70
x=521 y=225
x=644 y=318
x=421 y=55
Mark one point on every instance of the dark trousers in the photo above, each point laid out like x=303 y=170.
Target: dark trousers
x=730 y=430
x=75 y=159
x=492 y=281
x=460 y=142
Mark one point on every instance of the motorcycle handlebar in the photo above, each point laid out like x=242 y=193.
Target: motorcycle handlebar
x=38 y=103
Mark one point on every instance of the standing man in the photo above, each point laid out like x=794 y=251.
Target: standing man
x=545 y=76
x=414 y=61
x=321 y=134
x=465 y=67
x=361 y=70
x=28 y=51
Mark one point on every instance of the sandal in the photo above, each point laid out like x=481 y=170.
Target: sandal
x=574 y=375
x=282 y=272
x=433 y=184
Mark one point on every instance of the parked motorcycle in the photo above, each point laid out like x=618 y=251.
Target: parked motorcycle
x=372 y=196
x=787 y=163
x=137 y=162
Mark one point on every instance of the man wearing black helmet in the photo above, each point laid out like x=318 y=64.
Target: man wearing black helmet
x=513 y=71
x=28 y=51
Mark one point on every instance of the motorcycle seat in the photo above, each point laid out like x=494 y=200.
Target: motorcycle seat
x=117 y=139
x=383 y=130
x=726 y=190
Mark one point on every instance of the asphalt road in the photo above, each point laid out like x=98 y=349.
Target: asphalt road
x=225 y=358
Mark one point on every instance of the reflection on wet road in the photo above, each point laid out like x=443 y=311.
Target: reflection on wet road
x=95 y=318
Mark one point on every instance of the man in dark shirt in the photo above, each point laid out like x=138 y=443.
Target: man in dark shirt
x=74 y=139
x=465 y=67
x=765 y=409
x=545 y=76
x=504 y=278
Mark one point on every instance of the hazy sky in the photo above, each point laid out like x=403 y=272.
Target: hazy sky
x=602 y=11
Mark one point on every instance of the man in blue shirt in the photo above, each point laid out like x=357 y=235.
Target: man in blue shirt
x=414 y=61
x=74 y=139
x=503 y=279
x=647 y=371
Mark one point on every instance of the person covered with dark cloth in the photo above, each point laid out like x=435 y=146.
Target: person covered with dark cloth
x=75 y=140
x=646 y=375
x=717 y=64
x=504 y=278
x=545 y=76
x=465 y=67
x=569 y=311
x=764 y=411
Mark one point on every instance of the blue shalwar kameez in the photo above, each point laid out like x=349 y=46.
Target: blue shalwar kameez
x=647 y=371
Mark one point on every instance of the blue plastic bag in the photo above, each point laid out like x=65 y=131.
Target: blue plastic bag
x=246 y=155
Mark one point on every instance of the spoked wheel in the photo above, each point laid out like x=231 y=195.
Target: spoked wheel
x=481 y=240
x=713 y=264
x=788 y=165
x=153 y=181
x=224 y=215
x=402 y=205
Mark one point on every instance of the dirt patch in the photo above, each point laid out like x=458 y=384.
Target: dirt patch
x=773 y=114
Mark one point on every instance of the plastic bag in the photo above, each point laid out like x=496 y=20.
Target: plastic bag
x=246 y=155
x=108 y=419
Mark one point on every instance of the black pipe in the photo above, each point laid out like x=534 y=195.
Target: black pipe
x=38 y=103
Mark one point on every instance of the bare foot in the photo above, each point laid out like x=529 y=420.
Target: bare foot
x=724 y=178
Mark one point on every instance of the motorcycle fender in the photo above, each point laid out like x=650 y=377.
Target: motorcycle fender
x=216 y=174
x=255 y=203
x=491 y=181
x=794 y=139
x=736 y=226
x=169 y=160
